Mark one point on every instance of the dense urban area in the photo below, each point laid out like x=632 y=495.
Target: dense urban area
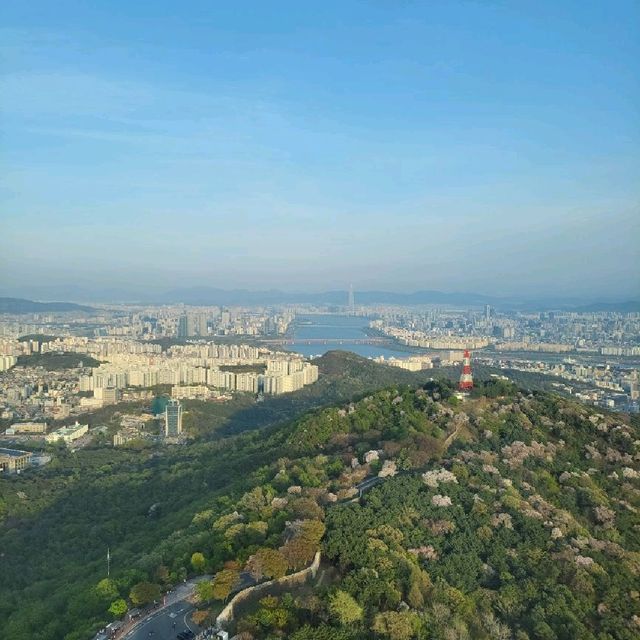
x=180 y=472
x=59 y=366
x=125 y=388
x=320 y=320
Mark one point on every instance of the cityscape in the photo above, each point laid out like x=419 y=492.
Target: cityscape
x=320 y=320
x=123 y=354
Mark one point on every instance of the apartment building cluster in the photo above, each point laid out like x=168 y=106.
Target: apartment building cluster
x=279 y=376
x=137 y=364
x=411 y=363
x=416 y=338
x=236 y=321
x=11 y=349
x=605 y=333
x=595 y=353
x=196 y=392
x=153 y=321
x=540 y=347
x=130 y=368
x=620 y=351
x=101 y=348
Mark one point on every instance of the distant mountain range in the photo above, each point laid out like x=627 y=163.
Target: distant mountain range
x=209 y=296
x=205 y=295
x=213 y=296
x=630 y=306
x=20 y=305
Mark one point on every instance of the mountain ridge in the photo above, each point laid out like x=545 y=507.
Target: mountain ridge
x=213 y=296
x=23 y=305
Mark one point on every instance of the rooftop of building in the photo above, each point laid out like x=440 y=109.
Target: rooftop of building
x=72 y=428
x=14 y=453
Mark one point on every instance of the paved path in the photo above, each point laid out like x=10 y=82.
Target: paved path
x=165 y=622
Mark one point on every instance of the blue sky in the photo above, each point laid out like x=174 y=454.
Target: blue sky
x=486 y=146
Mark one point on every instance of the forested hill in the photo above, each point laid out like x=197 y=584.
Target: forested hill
x=509 y=515
x=343 y=376
x=20 y=305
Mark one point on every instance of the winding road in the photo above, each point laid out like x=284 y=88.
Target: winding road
x=168 y=620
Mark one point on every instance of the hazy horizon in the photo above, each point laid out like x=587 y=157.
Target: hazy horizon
x=460 y=147
x=220 y=296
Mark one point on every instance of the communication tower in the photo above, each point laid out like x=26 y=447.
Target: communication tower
x=466 y=379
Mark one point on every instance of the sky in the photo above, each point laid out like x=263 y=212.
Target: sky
x=485 y=146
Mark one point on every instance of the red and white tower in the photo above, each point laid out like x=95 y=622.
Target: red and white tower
x=466 y=379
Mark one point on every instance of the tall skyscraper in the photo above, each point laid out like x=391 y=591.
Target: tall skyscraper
x=487 y=312
x=352 y=301
x=173 y=419
x=183 y=329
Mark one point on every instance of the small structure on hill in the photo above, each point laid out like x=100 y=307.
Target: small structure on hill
x=466 y=378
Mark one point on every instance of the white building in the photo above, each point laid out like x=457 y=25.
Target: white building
x=67 y=434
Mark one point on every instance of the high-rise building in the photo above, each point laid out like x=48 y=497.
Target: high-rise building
x=352 y=301
x=487 y=312
x=183 y=330
x=508 y=332
x=192 y=325
x=198 y=324
x=173 y=418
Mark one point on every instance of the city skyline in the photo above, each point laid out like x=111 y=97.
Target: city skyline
x=401 y=147
x=320 y=319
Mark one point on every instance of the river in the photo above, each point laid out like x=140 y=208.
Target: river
x=340 y=332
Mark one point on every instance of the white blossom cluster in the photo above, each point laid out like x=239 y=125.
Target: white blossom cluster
x=434 y=478
x=441 y=501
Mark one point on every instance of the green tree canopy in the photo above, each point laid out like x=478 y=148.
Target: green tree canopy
x=344 y=608
x=395 y=625
x=224 y=583
x=204 y=591
x=144 y=593
x=107 y=589
x=118 y=608
x=198 y=562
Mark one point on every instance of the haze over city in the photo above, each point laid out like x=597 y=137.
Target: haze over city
x=484 y=147
x=320 y=320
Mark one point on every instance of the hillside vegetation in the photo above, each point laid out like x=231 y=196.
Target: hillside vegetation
x=510 y=515
x=20 y=305
x=343 y=376
x=56 y=361
x=507 y=516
